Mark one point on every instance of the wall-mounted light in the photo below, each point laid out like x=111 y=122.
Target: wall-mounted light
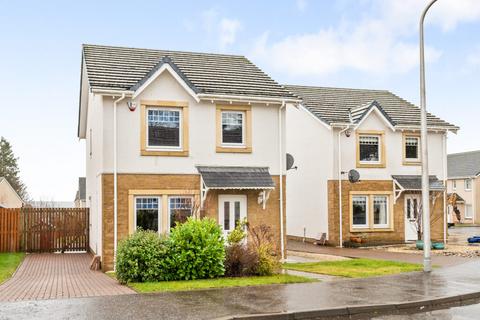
x=131 y=105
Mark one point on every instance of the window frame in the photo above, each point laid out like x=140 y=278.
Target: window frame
x=169 y=213
x=246 y=146
x=159 y=211
x=367 y=209
x=182 y=149
x=232 y=144
x=411 y=161
x=454 y=184
x=465 y=184
x=471 y=212
x=381 y=149
x=371 y=226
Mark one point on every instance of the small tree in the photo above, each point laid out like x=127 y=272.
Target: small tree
x=9 y=168
x=419 y=220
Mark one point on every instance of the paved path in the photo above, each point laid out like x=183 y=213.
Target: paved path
x=375 y=254
x=216 y=303
x=55 y=276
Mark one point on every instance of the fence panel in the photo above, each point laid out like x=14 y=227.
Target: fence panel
x=9 y=230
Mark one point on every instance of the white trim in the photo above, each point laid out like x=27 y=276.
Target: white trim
x=159 y=211
x=367 y=200
x=418 y=147
x=168 y=208
x=166 y=67
x=465 y=184
x=220 y=97
x=180 y=133
x=379 y=146
x=381 y=225
x=375 y=108
x=244 y=119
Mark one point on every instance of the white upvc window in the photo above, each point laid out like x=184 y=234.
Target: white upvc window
x=468 y=211
x=360 y=211
x=179 y=209
x=164 y=128
x=147 y=213
x=412 y=148
x=369 y=146
x=454 y=184
x=233 y=128
x=380 y=211
x=468 y=184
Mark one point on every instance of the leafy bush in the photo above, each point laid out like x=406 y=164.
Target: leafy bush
x=268 y=262
x=241 y=260
x=144 y=256
x=197 y=249
x=238 y=234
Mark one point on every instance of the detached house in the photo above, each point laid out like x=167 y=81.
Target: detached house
x=173 y=134
x=464 y=187
x=377 y=134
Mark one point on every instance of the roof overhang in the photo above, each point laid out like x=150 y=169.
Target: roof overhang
x=413 y=183
x=375 y=107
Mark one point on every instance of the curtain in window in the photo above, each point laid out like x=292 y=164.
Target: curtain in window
x=380 y=210
x=359 y=210
x=411 y=148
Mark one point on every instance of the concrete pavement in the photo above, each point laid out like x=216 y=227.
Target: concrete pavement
x=416 y=288
x=438 y=260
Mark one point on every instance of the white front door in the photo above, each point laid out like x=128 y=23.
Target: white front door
x=231 y=210
x=412 y=213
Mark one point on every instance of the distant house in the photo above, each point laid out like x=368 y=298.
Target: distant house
x=9 y=198
x=80 y=200
x=463 y=185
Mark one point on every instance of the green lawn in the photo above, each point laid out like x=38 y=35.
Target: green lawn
x=145 y=287
x=355 y=268
x=8 y=264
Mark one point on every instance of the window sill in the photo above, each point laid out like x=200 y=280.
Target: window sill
x=172 y=153
x=412 y=163
x=370 y=230
x=370 y=165
x=234 y=149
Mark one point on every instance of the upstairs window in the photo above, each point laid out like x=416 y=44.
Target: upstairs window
x=468 y=184
x=454 y=184
x=369 y=148
x=233 y=128
x=164 y=127
x=412 y=148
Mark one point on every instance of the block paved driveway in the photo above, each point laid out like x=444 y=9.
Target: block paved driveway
x=56 y=276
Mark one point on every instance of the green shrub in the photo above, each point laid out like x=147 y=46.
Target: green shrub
x=268 y=262
x=241 y=260
x=144 y=256
x=197 y=249
x=238 y=234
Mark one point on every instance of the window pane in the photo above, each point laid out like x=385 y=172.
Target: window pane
x=409 y=209
x=232 y=127
x=411 y=148
x=415 y=208
x=369 y=148
x=180 y=210
x=359 y=210
x=226 y=215
x=163 y=128
x=237 y=212
x=147 y=213
x=380 y=210
x=468 y=184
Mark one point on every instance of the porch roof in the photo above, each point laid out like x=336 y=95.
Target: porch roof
x=414 y=182
x=236 y=177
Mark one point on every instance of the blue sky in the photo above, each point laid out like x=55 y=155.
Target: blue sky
x=344 y=43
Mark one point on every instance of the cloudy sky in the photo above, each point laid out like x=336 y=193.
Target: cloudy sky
x=343 y=43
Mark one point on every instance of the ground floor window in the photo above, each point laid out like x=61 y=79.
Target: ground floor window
x=468 y=211
x=180 y=209
x=370 y=211
x=147 y=213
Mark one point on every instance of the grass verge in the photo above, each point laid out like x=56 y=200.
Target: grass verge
x=9 y=263
x=161 y=286
x=355 y=268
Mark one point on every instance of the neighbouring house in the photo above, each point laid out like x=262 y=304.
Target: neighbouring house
x=174 y=134
x=464 y=187
x=9 y=198
x=80 y=195
x=377 y=134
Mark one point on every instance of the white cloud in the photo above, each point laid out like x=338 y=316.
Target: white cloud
x=383 y=41
x=473 y=59
x=228 y=29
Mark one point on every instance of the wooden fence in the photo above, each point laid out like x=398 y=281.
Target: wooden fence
x=44 y=229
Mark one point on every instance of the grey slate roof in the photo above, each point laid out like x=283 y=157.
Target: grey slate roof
x=465 y=164
x=414 y=182
x=332 y=105
x=236 y=177
x=121 y=68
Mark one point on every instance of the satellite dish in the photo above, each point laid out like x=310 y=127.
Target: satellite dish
x=290 y=162
x=353 y=176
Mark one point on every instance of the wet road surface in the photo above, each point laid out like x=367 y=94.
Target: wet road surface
x=211 y=304
x=455 y=313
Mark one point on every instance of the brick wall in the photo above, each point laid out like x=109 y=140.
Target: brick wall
x=126 y=182
x=395 y=236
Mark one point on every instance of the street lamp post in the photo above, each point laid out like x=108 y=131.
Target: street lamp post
x=427 y=263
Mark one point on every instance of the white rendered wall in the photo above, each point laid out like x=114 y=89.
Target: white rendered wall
x=310 y=143
x=202 y=129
